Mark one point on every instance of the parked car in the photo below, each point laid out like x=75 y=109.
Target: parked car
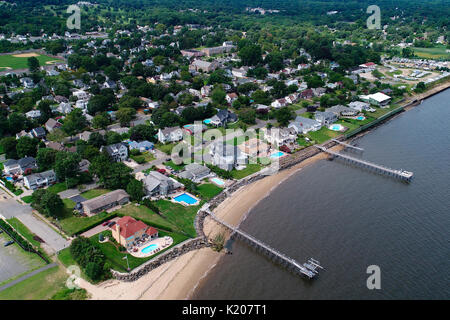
x=105 y=223
x=163 y=171
x=111 y=224
x=8 y=243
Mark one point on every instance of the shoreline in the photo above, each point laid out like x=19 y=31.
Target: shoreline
x=180 y=278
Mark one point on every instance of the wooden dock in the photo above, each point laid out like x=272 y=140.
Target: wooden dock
x=346 y=145
x=399 y=174
x=309 y=269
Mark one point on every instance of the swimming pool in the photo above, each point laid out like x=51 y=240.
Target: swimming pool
x=218 y=181
x=149 y=248
x=277 y=154
x=186 y=198
x=360 y=118
x=9 y=179
x=207 y=121
x=336 y=127
x=187 y=126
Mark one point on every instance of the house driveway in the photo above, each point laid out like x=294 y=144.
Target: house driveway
x=54 y=242
x=98 y=229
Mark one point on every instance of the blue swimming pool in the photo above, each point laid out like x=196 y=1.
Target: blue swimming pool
x=336 y=127
x=277 y=154
x=149 y=248
x=218 y=181
x=9 y=179
x=360 y=118
x=207 y=121
x=185 y=198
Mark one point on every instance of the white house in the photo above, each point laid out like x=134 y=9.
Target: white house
x=171 y=134
x=38 y=180
x=118 y=152
x=303 y=125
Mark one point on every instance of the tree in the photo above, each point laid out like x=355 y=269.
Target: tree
x=46 y=158
x=135 y=189
x=96 y=140
x=218 y=96
x=283 y=116
x=112 y=137
x=33 y=64
x=9 y=147
x=125 y=116
x=75 y=122
x=143 y=132
x=101 y=121
x=247 y=115
x=26 y=146
x=250 y=55
x=67 y=165
x=52 y=205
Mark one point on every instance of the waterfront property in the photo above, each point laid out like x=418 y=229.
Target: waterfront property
x=128 y=231
x=186 y=199
x=195 y=172
x=337 y=127
x=157 y=184
x=218 y=181
x=104 y=202
x=226 y=156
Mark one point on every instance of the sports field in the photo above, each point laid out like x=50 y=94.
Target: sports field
x=438 y=52
x=19 y=61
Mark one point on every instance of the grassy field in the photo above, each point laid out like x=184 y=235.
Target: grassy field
x=90 y=194
x=27 y=199
x=72 y=224
x=208 y=190
x=41 y=286
x=174 y=166
x=166 y=148
x=24 y=232
x=9 y=61
x=58 y=187
x=438 y=52
x=143 y=158
x=250 y=169
x=145 y=214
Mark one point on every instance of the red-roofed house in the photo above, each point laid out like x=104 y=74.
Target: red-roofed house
x=368 y=66
x=127 y=230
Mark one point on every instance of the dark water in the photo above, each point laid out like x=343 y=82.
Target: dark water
x=348 y=219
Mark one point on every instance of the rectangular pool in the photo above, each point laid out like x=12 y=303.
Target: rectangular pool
x=277 y=154
x=186 y=198
x=218 y=181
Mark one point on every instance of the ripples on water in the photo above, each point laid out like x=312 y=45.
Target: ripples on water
x=348 y=219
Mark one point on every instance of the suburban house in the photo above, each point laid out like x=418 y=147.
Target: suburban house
x=195 y=172
x=170 y=134
x=205 y=66
x=104 y=202
x=141 y=146
x=223 y=117
x=227 y=156
x=38 y=133
x=368 y=67
x=379 y=99
x=38 y=180
x=303 y=125
x=343 y=111
x=83 y=165
x=52 y=124
x=157 y=184
x=230 y=97
x=118 y=152
x=254 y=148
x=20 y=166
x=325 y=117
x=279 y=103
x=360 y=106
x=33 y=114
x=127 y=230
x=239 y=73
x=307 y=94
x=64 y=108
x=279 y=137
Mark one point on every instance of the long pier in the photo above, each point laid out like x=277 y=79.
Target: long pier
x=400 y=174
x=309 y=269
x=348 y=145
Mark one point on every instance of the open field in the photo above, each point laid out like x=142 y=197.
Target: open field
x=19 y=61
x=438 y=52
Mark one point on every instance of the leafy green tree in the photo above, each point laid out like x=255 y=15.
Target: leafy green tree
x=9 y=147
x=96 y=140
x=26 y=146
x=101 y=121
x=218 y=96
x=125 y=116
x=250 y=55
x=67 y=165
x=143 y=132
x=46 y=158
x=283 y=116
x=135 y=189
x=75 y=122
x=247 y=115
x=33 y=64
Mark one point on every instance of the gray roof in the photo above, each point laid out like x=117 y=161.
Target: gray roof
x=105 y=200
x=154 y=179
x=40 y=176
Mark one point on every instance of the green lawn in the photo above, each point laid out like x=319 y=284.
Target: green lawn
x=180 y=216
x=250 y=169
x=174 y=166
x=58 y=187
x=145 y=214
x=208 y=190
x=18 y=192
x=23 y=231
x=115 y=257
x=2 y=150
x=27 y=199
x=21 y=63
x=72 y=224
x=436 y=52
x=322 y=135
x=143 y=158
x=41 y=286
x=90 y=194
x=166 y=148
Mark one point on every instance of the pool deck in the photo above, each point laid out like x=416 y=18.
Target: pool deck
x=162 y=243
x=185 y=203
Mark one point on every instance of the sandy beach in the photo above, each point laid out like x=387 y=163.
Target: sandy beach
x=179 y=278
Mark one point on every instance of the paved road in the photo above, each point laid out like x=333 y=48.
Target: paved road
x=160 y=159
x=10 y=284
x=10 y=208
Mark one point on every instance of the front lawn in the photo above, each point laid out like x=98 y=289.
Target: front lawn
x=27 y=199
x=90 y=194
x=250 y=169
x=323 y=134
x=73 y=224
x=146 y=215
x=174 y=166
x=166 y=148
x=208 y=190
x=23 y=231
x=58 y=187
x=143 y=158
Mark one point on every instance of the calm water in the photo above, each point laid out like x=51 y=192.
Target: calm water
x=348 y=219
